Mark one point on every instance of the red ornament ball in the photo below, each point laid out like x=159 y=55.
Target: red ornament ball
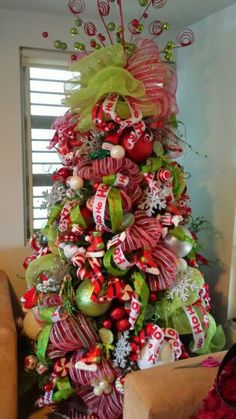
x=95 y=185
x=152 y=297
x=118 y=313
x=45 y=34
x=107 y=324
x=73 y=57
x=135 y=23
x=64 y=172
x=93 y=43
x=122 y=380
x=30 y=363
x=47 y=387
x=122 y=325
x=141 y=150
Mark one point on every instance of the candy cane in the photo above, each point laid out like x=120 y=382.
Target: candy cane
x=97 y=279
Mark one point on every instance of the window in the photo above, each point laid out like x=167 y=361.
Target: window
x=43 y=77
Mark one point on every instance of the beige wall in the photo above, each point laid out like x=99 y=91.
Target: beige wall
x=207 y=99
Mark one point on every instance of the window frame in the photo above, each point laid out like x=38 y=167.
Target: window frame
x=36 y=58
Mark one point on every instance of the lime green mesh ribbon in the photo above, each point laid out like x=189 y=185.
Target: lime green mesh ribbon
x=39 y=265
x=97 y=75
x=64 y=390
x=42 y=344
x=142 y=290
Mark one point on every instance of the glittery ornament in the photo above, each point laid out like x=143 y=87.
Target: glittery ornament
x=84 y=302
x=30 y=363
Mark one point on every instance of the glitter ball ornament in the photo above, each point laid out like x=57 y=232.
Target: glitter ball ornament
x=30 y=363
x=84 y=302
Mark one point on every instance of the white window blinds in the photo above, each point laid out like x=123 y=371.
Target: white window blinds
x=43 y=77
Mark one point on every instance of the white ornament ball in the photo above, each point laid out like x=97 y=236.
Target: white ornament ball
x=103 y=384
x=97 y=391
x=181 y=265
x=117 y=152
x=180 y=248
x=119 y=385
x=75 y=182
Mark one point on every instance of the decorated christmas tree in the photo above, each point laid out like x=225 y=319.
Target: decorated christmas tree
x=114 y=284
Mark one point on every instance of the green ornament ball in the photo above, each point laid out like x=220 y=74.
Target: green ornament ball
x=57 y=44
x=143 y=3
x=63 y=45
x=128 y=220
x=111 y=26
x=82 y=47
x=166 y=26
x=79 y=45
x=78 y=22
x=170 y=45
x=140 y=27
x=84 y=302
x=74 y=31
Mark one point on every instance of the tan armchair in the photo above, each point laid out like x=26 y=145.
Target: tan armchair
x=8 y=353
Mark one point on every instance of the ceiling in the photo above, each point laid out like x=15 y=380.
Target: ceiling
x=180 y=13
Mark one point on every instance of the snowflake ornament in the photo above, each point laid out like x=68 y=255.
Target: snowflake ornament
x=182 y=287
x=91 y=142
x=122 y=351
x=51 y=285
x=155 y=197
x=57 y=194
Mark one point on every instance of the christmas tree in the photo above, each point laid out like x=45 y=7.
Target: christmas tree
x=114 y=283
